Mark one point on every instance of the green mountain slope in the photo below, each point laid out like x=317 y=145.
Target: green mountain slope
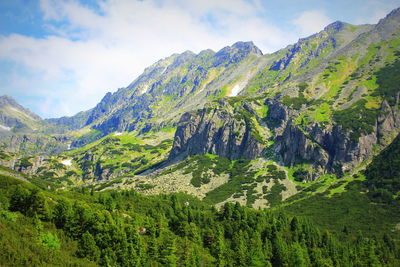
x=331 y=116
x=368 y=201
x=125 y=228
x=317 y=110
x=383 y=174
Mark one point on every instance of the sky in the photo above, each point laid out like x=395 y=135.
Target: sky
x=59 y=57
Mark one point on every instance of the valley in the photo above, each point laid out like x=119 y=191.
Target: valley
x=296 y=151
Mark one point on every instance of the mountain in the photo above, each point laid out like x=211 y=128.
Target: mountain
x=24 y=132
x=170 y=87
x=305 y=141
x=322 y=106
x=14 y=117
x=312 y=102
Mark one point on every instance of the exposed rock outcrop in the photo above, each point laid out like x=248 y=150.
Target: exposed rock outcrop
x=227 y=132
x=331 y=147
x=218 y=131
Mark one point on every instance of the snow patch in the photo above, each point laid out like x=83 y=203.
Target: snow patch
x=67 y=162
x=2 y=127
x=163 y=71
x=117 y=134
x=145 y=88
x=235 y=90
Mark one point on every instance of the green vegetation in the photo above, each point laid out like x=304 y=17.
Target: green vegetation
x=242 y=179
x=294 y=102
x=239 y=175
x=336 y=74
x=25 y=163
x=351 y=208
x=202 y=164
x=274 y=197
x=357 y=118
x=383 y=174
x=261 y=81
x=300 y=175
x=90 y=137
x=125 y=229
x=50 y=241
x=388 y=79
x=320 y=112
x=297 y=102
x=115 y=155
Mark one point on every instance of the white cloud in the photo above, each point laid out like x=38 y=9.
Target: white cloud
x=376 y=10
x=94 y=51
x=311 y=21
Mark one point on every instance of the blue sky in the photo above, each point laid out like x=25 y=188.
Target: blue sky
x=59 y=57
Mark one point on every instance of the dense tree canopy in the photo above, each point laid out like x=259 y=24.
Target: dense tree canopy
x=128 y=229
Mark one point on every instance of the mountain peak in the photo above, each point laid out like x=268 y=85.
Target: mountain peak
x=7 y=100
x=335 y=26
x=247 y=46
x=394 y=15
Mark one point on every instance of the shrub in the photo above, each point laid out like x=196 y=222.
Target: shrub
x=50 y=241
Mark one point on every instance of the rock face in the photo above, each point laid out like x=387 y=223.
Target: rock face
x=215 y=130
x=328 y=149
x=126 y=119
x=332 y=147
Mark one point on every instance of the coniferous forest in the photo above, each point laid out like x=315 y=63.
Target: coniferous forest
x=84 y=228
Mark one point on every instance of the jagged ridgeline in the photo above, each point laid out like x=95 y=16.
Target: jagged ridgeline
x=232 y=125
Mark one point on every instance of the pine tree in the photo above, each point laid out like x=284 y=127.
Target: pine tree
x=219 y=249
x=62 y=213
x=297 y=256
x=240 y=249
x=87 y=247
x=280 y=252
x=256 y=256
x=168 y=251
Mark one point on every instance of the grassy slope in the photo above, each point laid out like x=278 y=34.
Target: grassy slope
x=124 y=153
x=357 y=203
x=352 y=209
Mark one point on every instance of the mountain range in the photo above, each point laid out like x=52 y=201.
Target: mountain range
x=148 y=175
x=322 y=106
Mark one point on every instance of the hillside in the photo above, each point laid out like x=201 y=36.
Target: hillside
x=221 y=158
x=123 y=228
